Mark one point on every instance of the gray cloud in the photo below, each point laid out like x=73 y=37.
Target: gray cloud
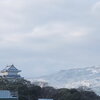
x=49 y=34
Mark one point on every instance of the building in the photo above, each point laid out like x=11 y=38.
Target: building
x=10 y=72
x=44 y=99
x=7 y=95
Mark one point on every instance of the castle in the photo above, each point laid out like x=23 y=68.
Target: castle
x=10 y=72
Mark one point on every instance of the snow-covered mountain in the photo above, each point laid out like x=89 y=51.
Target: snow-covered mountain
x=74 y=78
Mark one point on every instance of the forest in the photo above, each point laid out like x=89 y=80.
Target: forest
x=28 y=91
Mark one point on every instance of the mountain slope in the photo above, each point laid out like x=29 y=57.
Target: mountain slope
x=74 y=78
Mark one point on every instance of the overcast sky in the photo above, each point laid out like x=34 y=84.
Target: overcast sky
x=44 y=36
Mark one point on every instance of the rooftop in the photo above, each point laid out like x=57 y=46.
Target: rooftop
x=10 y=68
x=6 y=94
x=44 y=99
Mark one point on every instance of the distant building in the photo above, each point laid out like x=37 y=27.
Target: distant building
x=7 y=95
x=10 y=72
x=44 y=99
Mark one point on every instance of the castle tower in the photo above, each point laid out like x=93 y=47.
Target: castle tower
x=10 y=72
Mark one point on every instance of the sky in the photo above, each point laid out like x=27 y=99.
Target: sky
x=41 y=37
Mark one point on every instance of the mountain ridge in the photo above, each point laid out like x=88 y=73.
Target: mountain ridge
x=74 y=78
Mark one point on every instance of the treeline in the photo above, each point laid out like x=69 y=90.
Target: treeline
x=35 y=92
x=28 y=91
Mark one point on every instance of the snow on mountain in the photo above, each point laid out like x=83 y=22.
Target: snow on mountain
x=74 y=78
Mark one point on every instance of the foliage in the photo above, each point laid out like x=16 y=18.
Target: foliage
x=28 y=91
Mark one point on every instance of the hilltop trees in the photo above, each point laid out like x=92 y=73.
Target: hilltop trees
x=28 y=91
x=74 y=94
x=6 y=84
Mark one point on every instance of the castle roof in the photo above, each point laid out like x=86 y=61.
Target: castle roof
x=11 y=68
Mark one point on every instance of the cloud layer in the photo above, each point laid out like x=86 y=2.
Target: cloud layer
x=49 y=35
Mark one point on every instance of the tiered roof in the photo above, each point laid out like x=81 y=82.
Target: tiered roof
x=10 y=68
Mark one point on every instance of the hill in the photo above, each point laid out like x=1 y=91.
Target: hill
x=74 y=78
